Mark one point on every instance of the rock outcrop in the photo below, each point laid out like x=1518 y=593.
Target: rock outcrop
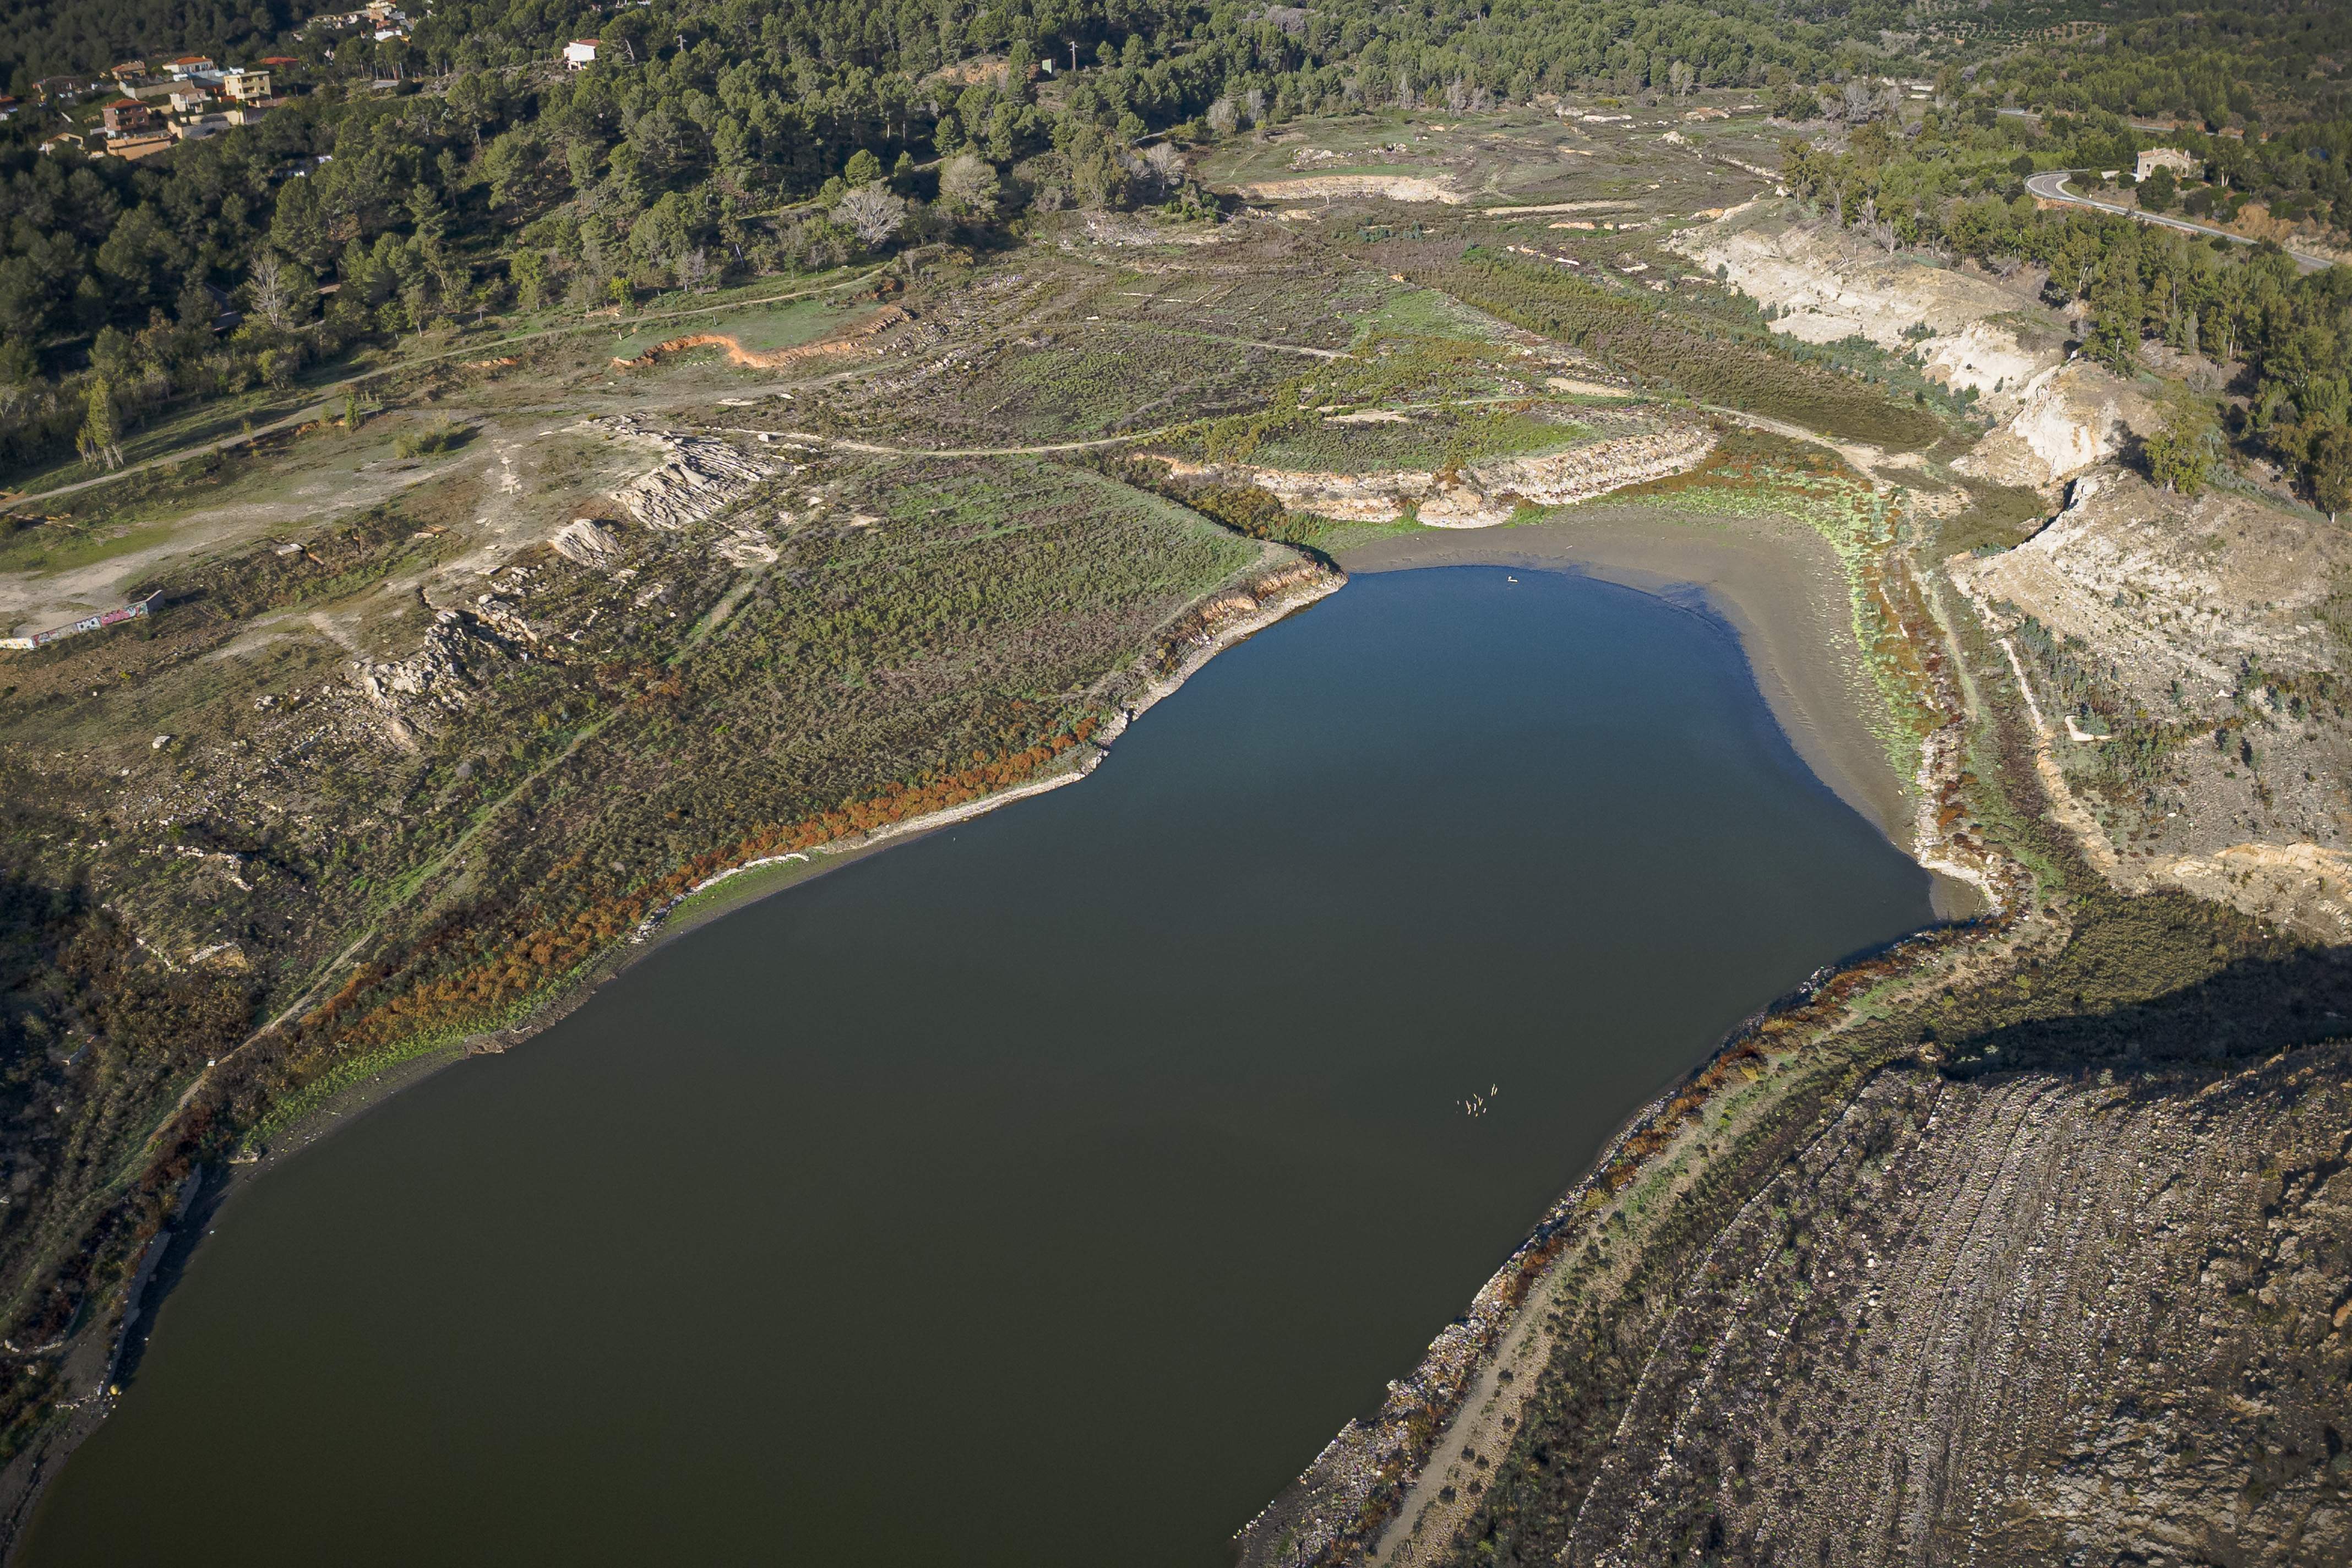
x=2180 y=665
x=1481 y=494
x=587 y=542
x=701 y=476
x=2068 y=419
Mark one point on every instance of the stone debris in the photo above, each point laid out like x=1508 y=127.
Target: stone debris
x=496 y=612
x=588 y=542
x=435 y=675
x=702 y=475
x=747 y=547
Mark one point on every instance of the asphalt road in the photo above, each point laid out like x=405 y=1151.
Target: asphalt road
x=2052 y=187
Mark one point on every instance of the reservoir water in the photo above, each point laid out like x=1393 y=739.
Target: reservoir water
x=1044 y=1192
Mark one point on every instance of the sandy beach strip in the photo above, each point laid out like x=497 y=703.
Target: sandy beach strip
x=1777 y=582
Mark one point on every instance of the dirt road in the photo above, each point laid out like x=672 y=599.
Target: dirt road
x=478 y=346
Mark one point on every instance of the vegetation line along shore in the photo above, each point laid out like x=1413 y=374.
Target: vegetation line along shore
x=583 y=473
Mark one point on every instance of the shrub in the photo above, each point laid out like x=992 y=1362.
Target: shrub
x=446 y=436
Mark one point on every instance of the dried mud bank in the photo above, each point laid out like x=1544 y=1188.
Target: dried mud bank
x=1280 y=584
x=1779 y=584
x=1483 y=494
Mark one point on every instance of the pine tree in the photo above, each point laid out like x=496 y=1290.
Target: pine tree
x=100 y=441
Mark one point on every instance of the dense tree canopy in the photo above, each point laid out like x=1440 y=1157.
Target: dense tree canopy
x=461 y=170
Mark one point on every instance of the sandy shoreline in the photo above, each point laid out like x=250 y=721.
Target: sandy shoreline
x=1778 y=583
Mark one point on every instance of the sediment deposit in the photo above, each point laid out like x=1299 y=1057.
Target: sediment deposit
x=1480 y=495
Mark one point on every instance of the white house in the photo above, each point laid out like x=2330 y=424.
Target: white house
x=582 y=52
x=2171 y=158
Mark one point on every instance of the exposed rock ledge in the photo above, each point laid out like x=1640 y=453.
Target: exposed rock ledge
x=1482 y=495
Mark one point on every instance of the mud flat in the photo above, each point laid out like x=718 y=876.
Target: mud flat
x=1779 y=583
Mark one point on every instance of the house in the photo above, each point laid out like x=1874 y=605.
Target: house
x=130 y=149
x=62 y=140
x=58 y=88
x=581 y=53
x=190 y=65
x=8 y=107
x=189 y=98
x=129 y=116
x=245 y=86
x=128 y=71
x=2171 y=158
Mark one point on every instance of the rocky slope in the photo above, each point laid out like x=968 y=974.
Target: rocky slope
x=2181 y=658
x=2037 y=1319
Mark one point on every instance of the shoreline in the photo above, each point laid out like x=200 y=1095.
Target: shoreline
x=1397 y=1484
x=1461 y=1371
x=666 y=925
x=1291 y=587
x=1780 y=588
x=1777 y=585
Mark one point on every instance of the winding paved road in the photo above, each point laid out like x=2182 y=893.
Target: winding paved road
x=2052 y=187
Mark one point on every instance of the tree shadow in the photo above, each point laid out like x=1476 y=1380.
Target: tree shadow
x=2251 y=1008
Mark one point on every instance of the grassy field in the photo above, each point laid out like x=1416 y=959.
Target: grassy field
x=756 y=327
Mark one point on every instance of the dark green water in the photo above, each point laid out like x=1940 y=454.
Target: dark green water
x=1046 y=1191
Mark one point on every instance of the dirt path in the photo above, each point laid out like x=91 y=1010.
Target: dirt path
x=1861 y=456
x=843 y=443
x=316 y=410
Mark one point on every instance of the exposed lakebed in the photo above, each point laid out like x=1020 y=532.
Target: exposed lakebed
x=1046 y=1191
